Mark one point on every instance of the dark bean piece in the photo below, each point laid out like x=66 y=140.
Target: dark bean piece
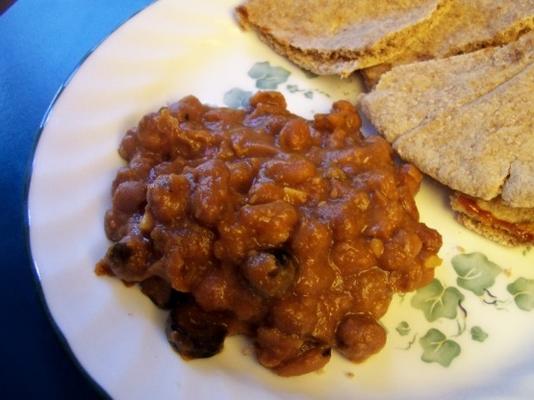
x=120 y=253
x=129 y=259
x=158 y=290
x=129 y=196
x=269 y=274
x=195 y=333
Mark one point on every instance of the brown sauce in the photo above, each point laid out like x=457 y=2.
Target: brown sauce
x=295 y=233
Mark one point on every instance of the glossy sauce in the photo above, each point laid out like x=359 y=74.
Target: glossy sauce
x=295 y=233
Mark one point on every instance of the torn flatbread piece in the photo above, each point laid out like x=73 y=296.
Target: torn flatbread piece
x=338 y=36
x=467 y=121
x=463 y=27
x=472 y=148
x=410 y=95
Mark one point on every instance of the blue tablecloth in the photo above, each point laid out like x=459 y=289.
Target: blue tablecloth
x=41 y=42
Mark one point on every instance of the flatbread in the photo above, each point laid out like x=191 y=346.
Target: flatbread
x=466 y=26
x=473 y=148
x=338 y=36
x=467 y=121
x=409 y=95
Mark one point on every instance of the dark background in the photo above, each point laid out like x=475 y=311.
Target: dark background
x=41 y=42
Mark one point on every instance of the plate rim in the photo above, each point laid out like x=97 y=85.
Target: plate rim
x=26 y=202
x=63 y=341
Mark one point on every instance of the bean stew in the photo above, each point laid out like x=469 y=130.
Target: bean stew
x=255 y=221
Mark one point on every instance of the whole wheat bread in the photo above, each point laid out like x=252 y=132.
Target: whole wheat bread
x=468 y=121
x=409 y=95
x=339 y=36
x=464 y=26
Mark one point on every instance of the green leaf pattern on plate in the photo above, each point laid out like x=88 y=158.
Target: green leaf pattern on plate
x=475 y=272
x=403 y=328
x=267 y=76
x=478 y=334
x=237 y=98
x=523 y=291
x=437 y=348
x=295 y=89
x=437 y=302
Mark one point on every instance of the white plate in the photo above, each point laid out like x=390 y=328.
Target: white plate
x=176 y=48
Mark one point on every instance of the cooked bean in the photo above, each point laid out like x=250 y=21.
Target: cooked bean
x=151 y=137
x=295 y=315
x=129 y=259
x=247 y=143
x=158 y=290
x=188 y=109
x=274 y=99
x=128 y=146
x=271 y=223
x=400 y=250
x=359 y=337
x=311 y=245
x=295 y=136
x=353 y=256
x=195 y=333
x=265 y=192
x=242 y=172
x=312 y=238
x=310 y=360
x=210 y=195
x=221 y=289
x=290 y=172
x=270 y=274
x=115 y=224
x=371 y=291
x=274 y=347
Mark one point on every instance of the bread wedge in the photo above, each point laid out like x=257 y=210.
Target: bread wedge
x=339 y=36
x=484 y=148
x=463 y=27
x=410 y=95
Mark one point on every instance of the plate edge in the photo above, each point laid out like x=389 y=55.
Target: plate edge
x=26 y=211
